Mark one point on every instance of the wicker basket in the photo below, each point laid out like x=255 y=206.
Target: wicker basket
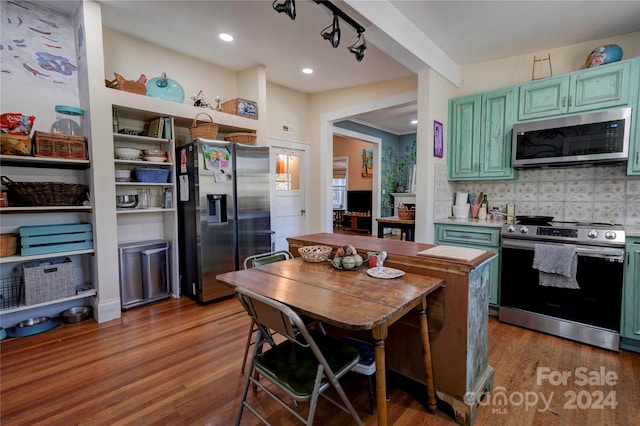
x=315 y=254
x=44 y=193
x=405 y=213
x=204 y=130
x=15 y=144
x=60 y=145
x=8 y=244
x=245 y=138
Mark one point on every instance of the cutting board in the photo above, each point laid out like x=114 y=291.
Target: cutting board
x=452 y=252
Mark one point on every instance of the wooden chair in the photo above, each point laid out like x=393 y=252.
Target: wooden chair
x=303 y=366
x=264 y=259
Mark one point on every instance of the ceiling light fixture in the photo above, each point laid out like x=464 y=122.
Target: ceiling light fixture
x=288 y=7
x=334 y=35
x=359 y=47
x=414 y=121
x=225 y=37
x=307 y=70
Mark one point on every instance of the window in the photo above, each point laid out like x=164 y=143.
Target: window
x=339 y=193
x=287 y=172
x=339 y=183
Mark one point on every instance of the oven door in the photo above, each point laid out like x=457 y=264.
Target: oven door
x=599 y=275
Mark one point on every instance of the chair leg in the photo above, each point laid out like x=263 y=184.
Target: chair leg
x=370 y=381
x=246 y=348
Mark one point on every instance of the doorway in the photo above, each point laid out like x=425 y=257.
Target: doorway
x=289 y=201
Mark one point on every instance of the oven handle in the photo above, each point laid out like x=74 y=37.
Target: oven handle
x=611 y=254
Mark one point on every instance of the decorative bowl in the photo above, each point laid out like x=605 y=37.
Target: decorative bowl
x=315 y=254
x=126 y=201
x=339 y=263
x=165 y=88
x=127 y=153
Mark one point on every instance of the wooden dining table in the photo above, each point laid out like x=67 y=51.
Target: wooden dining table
x=350 y=300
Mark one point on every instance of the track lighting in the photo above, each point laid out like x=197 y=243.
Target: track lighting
x=359 y=47
x=334 y=35
x=288 y=7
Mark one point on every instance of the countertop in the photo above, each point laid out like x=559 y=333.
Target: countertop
x=630 y=230
x=471 y=222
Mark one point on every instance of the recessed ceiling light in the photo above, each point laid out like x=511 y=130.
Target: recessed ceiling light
x=226 y=37
x=414 y=121
x=307 y=70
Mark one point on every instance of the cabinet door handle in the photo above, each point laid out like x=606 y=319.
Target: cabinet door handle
x=564 y=101
x=570 y=100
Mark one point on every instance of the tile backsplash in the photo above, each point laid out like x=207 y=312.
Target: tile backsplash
x=590 y=193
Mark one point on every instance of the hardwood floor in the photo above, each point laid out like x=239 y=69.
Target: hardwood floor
x=176 y=362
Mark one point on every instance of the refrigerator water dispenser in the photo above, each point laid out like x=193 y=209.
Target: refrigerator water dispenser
x=217 y=207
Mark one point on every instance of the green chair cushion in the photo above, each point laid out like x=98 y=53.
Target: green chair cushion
x=295 y=367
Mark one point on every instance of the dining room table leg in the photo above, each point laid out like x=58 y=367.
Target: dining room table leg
x=379 y=334
x=426 y=350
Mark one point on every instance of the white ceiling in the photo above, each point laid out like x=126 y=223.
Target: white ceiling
x=447 y=34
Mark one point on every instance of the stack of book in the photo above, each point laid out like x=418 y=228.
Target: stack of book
x=160 y=128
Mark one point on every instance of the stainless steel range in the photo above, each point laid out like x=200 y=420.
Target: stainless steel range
x=588 y=314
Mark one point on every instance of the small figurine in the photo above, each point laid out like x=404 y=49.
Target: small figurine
x=218 y=108
x=200 y=101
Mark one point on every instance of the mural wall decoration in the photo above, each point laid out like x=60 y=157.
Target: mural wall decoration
x=37 y=47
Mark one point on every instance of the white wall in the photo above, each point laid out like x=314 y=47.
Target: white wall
x=517 y=69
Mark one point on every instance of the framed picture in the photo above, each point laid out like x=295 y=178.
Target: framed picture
x=367 y=162
x=438 y=144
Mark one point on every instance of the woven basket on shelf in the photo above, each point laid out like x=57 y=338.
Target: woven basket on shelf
x=405 y=213
x=245 y=138
x=315 y=254
x=27 y=194
x=204 y=130
x=15 y=144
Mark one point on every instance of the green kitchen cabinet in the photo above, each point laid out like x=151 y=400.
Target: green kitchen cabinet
x=479 y=137
x=603 y=87
x=630 y=327
x=478 y=237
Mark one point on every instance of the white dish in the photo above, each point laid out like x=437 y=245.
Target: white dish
x=154 y=159
x=127 y=153
x=384 y=272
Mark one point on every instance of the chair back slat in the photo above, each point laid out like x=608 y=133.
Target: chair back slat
x=266 y=258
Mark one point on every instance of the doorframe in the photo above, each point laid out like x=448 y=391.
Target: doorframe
x=304 y=173
x=326 y=146
x=375 y=185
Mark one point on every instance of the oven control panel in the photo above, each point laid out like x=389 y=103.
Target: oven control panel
x=557 y=232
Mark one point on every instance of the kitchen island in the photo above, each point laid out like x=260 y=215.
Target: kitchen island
x=457 y=315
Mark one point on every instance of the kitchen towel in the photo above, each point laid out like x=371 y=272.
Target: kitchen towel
x=556 y=265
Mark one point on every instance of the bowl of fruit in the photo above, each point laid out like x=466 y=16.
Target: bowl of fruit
x=348 y=259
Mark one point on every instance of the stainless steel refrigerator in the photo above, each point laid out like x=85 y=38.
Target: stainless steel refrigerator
x=223 y=206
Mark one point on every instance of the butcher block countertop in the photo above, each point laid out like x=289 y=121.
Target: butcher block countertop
x=396 y=249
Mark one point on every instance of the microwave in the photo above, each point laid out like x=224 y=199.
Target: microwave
x=579 y=139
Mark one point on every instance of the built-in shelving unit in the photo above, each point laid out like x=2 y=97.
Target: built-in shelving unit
x=20 y=168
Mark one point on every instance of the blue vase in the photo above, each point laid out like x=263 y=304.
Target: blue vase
x=604 y=55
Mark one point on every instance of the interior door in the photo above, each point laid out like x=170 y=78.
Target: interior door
x=288 y=209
